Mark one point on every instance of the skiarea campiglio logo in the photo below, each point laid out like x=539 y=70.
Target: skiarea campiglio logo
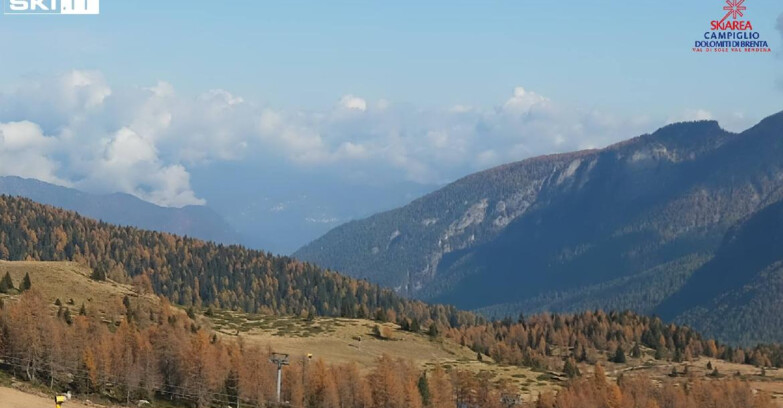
x=732 y=33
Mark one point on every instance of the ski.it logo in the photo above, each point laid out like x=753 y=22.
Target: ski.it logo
x=51 y=6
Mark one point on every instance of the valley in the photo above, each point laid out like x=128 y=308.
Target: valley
x=626 y=227
x=341 y=341
x=397 y=204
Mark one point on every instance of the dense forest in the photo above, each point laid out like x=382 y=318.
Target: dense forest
x=737 y=293
x=191 y=272
x=538 y=341
x=165 y=354
x=199 y=274
x=641 y=392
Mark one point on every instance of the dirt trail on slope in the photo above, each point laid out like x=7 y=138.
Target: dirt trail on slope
x=11 y=398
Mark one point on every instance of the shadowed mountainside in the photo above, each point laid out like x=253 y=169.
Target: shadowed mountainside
x=618 y=228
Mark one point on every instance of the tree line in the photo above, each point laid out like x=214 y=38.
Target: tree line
x=547 y=340
x=642 y=392
x=202 y=274
x=195 y=273
x=165 y=354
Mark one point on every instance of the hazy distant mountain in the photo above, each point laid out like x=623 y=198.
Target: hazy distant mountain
x=621 y=227
x=124 y=209
x=281 y=212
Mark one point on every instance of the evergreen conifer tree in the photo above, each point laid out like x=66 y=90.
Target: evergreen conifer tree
x=99 y=273
x=424 y=389
x=6 y=284
x=636 y=351
x=659 y=353
x=570 y=369
x=619 y=355
x=433 y=331
x=26 y=283
x=415 y=325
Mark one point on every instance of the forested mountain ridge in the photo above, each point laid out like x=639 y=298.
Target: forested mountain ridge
x=124 y=209
x=130 y=350
x=738 y=294
x=437 y=224
x=190 y=272
x=141 y=348
x=193 y=272
x=621 y=227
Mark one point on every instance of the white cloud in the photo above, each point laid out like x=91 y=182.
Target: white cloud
x=171 y=187
x=323 y=220
x=732 y=121
x=349 y=150
x=128 y=148
x=222 y=97
x=353 y=102
x=24 y=150
x=87 y=89
x=461 y=109
x=76 y=129
x=691 y=115
x=18 y=136
x=163 y=89
x=487 y=158
x=95 y=139
x=524 y=101
x=382 y=104
x=269 y=122
x=131 y=163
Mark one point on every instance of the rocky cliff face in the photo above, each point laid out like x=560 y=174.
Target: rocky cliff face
x=403 y=248
x=620 y=227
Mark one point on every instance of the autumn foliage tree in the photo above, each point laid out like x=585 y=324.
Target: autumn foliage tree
x=202 y=274
x=640 y=391
x=529 y=342
x=166 y=354
x=441 y=391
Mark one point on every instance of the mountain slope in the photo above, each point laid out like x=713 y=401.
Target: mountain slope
x=193 y=272
x=124 y=209
x=631 y=221
x=739 y=293
x=231 y=350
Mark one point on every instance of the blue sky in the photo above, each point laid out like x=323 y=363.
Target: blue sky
x=357 y=106
x=619 y=55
